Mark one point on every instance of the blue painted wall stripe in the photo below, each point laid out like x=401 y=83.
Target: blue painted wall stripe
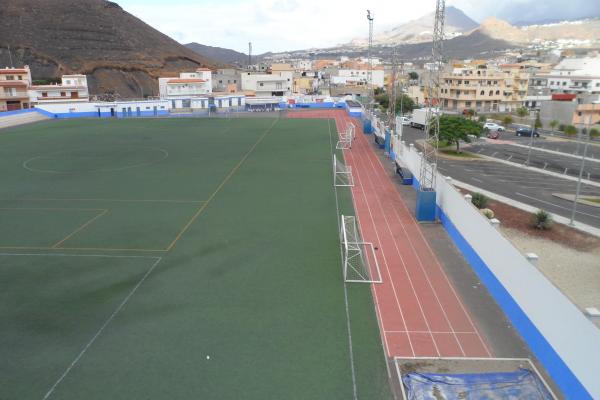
x=556 y=367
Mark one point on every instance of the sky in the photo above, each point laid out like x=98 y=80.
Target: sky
x=279 y=25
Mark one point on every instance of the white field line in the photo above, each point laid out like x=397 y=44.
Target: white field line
x=99 y=332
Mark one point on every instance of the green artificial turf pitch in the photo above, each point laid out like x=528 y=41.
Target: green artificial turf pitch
x=179 y=259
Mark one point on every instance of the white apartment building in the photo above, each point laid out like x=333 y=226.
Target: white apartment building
x=188 y=84
x=574 y=75
x=358 y=76
x=14 y=88
x=302 y=65
x=277 y=83
x=73 y=89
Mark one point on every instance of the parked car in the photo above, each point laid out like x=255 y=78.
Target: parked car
x=493 y=134
x=492 y=126
x=404 y=120
x=527 y=132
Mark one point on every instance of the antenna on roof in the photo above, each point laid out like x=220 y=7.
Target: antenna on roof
x=10 y=57
x=249 y=54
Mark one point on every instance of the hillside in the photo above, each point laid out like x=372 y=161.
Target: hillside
x=585 y=31
x=117 y=51
x=419 y=30
x=220 y=54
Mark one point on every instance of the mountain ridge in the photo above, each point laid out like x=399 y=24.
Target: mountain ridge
x=117 y=51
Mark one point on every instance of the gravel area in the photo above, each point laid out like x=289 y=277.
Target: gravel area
x=576 y=273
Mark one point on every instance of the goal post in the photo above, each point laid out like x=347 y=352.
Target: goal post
x=359 y=260
x=346 y=138
x=342 y=174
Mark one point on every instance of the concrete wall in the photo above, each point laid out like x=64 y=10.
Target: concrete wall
x=560 y=110
x=557 y=332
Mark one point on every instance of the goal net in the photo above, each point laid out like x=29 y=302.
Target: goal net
x=346 y=138
x=359 y=261
x=342 y=174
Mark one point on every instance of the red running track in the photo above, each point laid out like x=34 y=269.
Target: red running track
x=419 y=312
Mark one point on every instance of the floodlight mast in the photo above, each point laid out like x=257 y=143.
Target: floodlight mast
x=370 y=63
x=392 y=94
x=432 y=126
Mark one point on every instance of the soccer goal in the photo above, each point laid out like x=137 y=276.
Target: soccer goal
x=342 y=174
x=359 y=260
x=346 y=138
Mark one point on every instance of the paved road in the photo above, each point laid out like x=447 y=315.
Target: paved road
x=561 y=145
x=524 y=185
x=566 y=164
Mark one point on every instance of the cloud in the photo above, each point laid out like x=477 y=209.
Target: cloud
x=279 y=25
x=272 y=25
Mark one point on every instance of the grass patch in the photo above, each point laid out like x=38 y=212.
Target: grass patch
x=592 y=199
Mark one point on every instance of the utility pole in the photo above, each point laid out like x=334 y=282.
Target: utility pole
x=392 y=95
x=10 y=57
x=428 y=171
x=585 y=147
x=532 y=130
x=370 y=60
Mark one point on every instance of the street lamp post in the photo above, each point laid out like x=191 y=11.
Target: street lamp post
x=576 y=199
x=537 y=93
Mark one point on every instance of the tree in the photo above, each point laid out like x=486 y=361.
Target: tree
x=470 y=113
x=454 y=128
x=538 y=122
x=378 y=91
x=553 y=124
x=507 y=120
x=594 y=133
x=571 y=130
x=482 y=118
x=413 y=75
x=522 y=112
x=408 y=104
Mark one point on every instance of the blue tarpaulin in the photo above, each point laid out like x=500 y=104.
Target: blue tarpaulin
x=521 y=384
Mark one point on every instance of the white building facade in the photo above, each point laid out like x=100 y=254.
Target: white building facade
x=274 y=84
x=358 y=77
x=73 y=89
x=188 y=84
x=574 y=75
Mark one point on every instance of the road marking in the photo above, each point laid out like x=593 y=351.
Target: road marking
x=477 y=180
x=556 y=205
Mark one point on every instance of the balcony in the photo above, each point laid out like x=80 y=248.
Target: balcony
x=14 y=96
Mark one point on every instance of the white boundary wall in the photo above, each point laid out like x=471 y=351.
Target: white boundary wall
x=567 y=331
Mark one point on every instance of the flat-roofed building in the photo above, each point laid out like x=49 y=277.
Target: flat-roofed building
x=73 y=89
x=188 y=84
x=14 y=88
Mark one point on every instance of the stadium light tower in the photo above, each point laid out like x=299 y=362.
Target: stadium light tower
x=370 y=61
x=426 y=210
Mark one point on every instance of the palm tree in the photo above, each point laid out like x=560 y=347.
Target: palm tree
x=553 y=124
x=522 y=112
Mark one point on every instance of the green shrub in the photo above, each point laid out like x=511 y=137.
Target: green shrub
x=488 y=213
x=541 y=220
x=479 y=200
x=482 y=118
x=562 y=127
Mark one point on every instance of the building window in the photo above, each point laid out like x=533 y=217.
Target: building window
x=491 y=92
x=220 y=81
x=10 y=77
x=44 y=94
x=564 y=83
x=63 y=94
x=261 y=84
x=467 y=104
x=482 y=93
x=497 y=92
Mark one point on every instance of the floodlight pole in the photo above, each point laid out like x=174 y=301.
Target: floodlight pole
x=370 y=61
x=576 y=199
x=532 y=130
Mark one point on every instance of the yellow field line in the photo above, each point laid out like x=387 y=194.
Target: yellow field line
x=52 y=209
x=231 y=173
x=114 y=200
x=78 y=248
x=82 y=227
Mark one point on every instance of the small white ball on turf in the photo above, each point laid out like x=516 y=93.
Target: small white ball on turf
x=208 y=357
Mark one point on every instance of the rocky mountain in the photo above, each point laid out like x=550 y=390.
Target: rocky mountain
x=225 y=56
x=420 y=30
x=584 y=31
x=117 y=51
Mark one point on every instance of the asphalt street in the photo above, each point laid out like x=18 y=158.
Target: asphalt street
x=520 y=184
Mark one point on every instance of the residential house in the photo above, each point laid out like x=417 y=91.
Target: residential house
x=14 y=88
